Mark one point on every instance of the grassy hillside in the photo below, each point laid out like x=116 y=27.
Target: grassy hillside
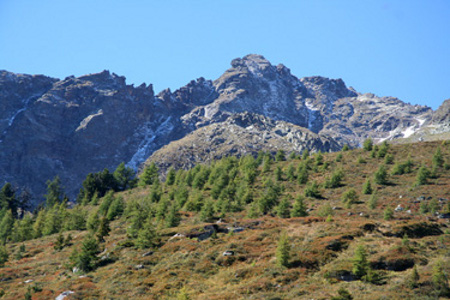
x=213 y=232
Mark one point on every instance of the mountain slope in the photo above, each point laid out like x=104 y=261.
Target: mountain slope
x=79 y=125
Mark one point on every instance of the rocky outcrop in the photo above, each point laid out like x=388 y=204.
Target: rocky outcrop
x=78 y=125
x=82 y=125
x=240 y=134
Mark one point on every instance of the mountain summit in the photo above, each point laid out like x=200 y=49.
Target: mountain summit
x=78 y=125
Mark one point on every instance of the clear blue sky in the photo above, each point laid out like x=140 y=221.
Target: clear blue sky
x=390 y=48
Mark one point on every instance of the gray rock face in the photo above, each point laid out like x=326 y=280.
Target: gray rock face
x=82 y=125
x=240 y=134
x=79 y=125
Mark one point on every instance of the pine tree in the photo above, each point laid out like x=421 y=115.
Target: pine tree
x=360 y=263
x=53 y=221
x=305 y=154
x=292 y=155
x=137 y=220
x=382 y=151
x=124 y=177
x=302 y=176
x=367 y=187
x=207 y=212
x=438 y=159
x=388 y=213
x=149 y=175
x=349 y=197
x=422 y=176
x=59 y=243
x=147 y=236
x=280 y=155
x=103 y=230
x=368 y=144
x=319 y=158
x=3 y=256
x=372 y=204
x=346 y=147
x=312 y=190
x=380 y=175
x=6 y=226
x=414 y=278
x=171 y=175
x=290 y=173
x=389 y=159
x=423 y=208
x=38 y=225
x=299 y=208
x=278 y=174
x=283 y=250
x=86 y=258
x=106 y=203
x=116 y=208
x=336 y=179
x=93 y=221
x=25 y=230
x=173 y=217
x=8 y=199
x=55 y=193
x=440 y=280
x=76 y=219
x=283 y=209
x=267 y=162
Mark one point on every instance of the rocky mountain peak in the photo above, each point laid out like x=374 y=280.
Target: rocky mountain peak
x=327 y=89
x=83 y=124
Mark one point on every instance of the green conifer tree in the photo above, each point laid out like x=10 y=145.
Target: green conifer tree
x=147 y=236
x=173 y=217
x=414 y=278
x=86 y=258
x=380 y=175
x=360 y=263
x=283 y=209
x=207 y=212
x=368 y=144
x=422 y=176
x=3 y=256
x=299 y=208
x=171 y=176
x=93 y=221
x=367 y=187
x=388 y=213
x=124 y=177
x=440 y=280
x=280 y=155
x=438 y=159
x=59 y=243
x=278 y=174
x=6 y=226
x=283 y=250
x=103 y=230
x=150 y=174
x=55 y=192
x=290 y=173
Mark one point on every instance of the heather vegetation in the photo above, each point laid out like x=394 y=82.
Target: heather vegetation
x=362 y=224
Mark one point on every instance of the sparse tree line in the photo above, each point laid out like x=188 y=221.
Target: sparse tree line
x=211 y=191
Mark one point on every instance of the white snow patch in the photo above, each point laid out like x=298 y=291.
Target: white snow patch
x=409 y=131
x=311 y=114
x=149 y=136
x=421 y=121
